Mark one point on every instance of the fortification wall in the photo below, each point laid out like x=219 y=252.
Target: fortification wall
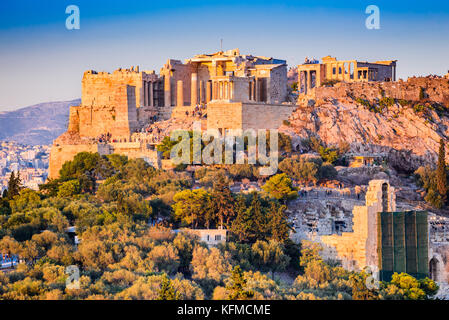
x=66 y=152
x=119 y=118
x=59 y=154
x=434 y=89
x=278 y=85
x=358 y=249
x=237 y=115
x=97 y=89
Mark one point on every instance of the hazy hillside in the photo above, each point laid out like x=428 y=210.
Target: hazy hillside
x=37 y=124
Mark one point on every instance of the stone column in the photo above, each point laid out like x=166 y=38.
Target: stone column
x=257 y=96
x=201 y=91
x=309 y=78
x=145 y=93
x=253 y=91
x=194 y=89
x=226 y=90
x=167 y=91
x=150 y=94
x=231 y=90
x=180 y=94
x=208 y=91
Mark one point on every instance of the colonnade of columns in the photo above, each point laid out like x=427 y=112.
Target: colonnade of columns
x=150 y=98
x=222 y=90
x=306 y=81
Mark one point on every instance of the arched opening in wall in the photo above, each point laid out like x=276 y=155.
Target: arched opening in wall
x=433 y=269
x=385 y=197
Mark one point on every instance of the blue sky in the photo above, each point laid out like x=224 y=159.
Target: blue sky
x=40 y=60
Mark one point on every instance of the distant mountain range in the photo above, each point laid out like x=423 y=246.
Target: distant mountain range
x=37 y=124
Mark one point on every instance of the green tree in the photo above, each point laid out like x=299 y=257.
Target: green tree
x=328 y=154
x=14 y=185
x=280 y=187
x=223 y=200
x=270 y=256
x=243 y=227
x=278 y=223
x=404 y=286
x=441 y=176
x=191 y=207
x=360 y=291
x=237 y=286
x=69 y=188
x=167 y=292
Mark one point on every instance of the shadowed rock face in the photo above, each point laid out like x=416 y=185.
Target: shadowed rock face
x=37 y=124
x=408 y=138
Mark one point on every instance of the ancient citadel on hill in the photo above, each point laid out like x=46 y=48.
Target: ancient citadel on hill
x=130 y=110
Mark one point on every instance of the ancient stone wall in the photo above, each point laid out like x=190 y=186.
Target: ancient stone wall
x=59 y=154
x=278 y=85
x=97 y=88
x=66 y=152
x=173 y=71
x=358 y=249
x=434 y=89
x=119 y=117
x=237 y=115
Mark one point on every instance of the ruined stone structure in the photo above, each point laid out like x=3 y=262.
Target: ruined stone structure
x=113 y=107
x=235 y=91
x=358 y=249
x=224 y=76
x=364 y=245
x=436 y=90
x=313 y=74
x=240 y=91
x=117 y=103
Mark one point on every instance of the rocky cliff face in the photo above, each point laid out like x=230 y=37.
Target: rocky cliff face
x=408 y=136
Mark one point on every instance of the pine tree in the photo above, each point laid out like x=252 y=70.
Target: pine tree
x=441 y=171
x=237 y=286
x=259 y=218
x=167 y=292
x=223 y=200
x=277 y=223
x=13 y=185
x=243 y=225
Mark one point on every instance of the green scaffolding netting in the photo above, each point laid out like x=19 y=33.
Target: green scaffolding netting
x=402 y=243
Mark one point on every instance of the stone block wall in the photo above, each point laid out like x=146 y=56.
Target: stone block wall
x=278 y=85
x=434 y=89
x=97 y=88
x=66 y=152
x=237 y=115
x=59 y=154
x=358 y=249
x=119 y=118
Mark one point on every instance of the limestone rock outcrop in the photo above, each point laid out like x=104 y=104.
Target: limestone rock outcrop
x=408 y=138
